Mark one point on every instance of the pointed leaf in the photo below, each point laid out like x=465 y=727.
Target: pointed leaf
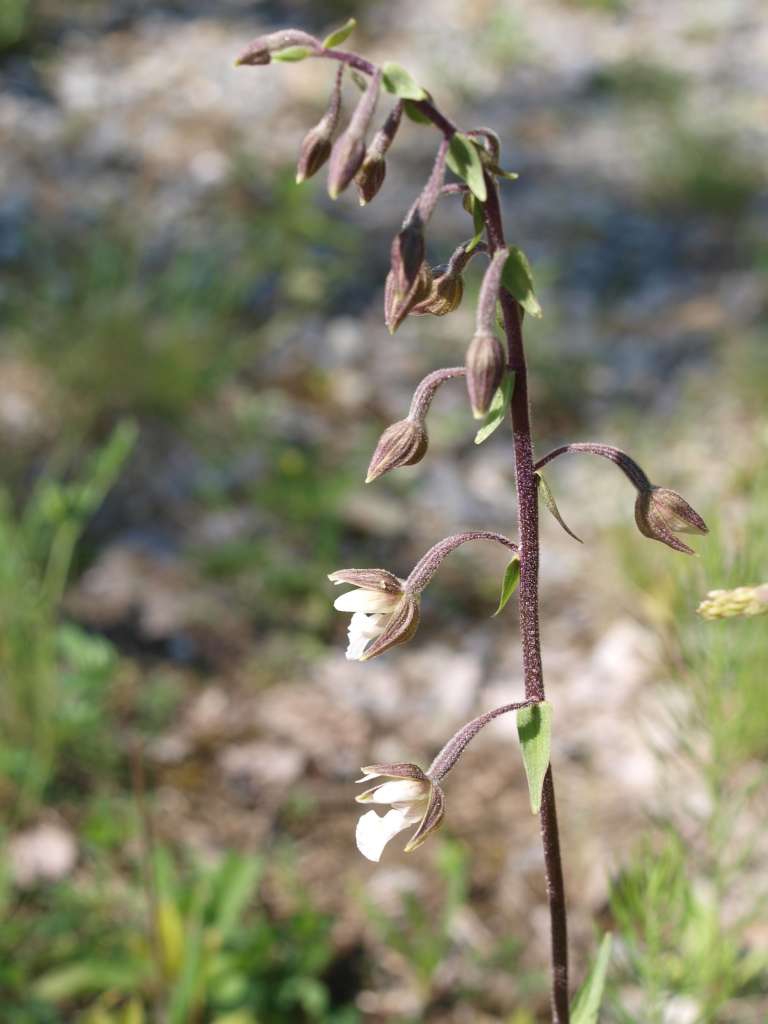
x=413 y=112
x=498 y=408
x=339 y=35
x=509 y=584
x=400 y=82
x=551 y=504
x=586 y=1006
x=292 y=53
x=478 y=220
x=534 y=728
x=464 y=160
x=518 y=280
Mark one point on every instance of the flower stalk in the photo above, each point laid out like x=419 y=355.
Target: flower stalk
x=385 y=608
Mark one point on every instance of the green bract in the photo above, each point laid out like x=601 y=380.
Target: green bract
x=464 y=160
x=518 y=280
x=339 y=35
x=401 y=83
x=534 y=728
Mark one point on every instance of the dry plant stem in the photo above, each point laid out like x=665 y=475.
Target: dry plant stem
x=528 y=511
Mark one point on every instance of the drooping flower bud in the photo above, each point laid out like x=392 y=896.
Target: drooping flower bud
x=397 y=305
x=406 y=255
x=348 y=153
x=373 y=169
x=485 y=367
x=660 y=513
x=402 y=444
x=316 y=147
x=446 y=295
x=260 y=50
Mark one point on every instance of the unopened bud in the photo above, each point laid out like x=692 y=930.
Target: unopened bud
x=397 y=305
x=660 y=513
x=370 y=177
x=316 y=147
x=402 y=444
x=446 y=295
x=315 y=150
x=485 y=367
x=348 y=153
x=260 y=50
x=406 y=257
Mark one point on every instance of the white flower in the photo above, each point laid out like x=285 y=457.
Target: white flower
x=383 y=613
x=414 y=799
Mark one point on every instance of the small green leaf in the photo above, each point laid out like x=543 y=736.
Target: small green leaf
x=340 y=34
x=498 y=408
x=464 y=160
x=549 y=501
x=501 y=173
x=401 y=82
x=509 y=584
x=291 y=54
x=586 y=1005
x=478 y=220
x=413 y=112
x=518 y=280
x=534 y=727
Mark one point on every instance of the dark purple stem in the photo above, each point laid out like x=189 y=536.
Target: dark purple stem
x=528 y=512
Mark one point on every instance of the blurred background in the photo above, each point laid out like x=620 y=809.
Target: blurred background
x=193 y=373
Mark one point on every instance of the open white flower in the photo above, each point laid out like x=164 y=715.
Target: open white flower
x=414 y=800
x=384 y=614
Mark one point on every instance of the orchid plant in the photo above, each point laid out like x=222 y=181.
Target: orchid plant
x=384 y=607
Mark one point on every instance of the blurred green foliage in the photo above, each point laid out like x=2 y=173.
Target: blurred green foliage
x=55 y=676
x=187 y=943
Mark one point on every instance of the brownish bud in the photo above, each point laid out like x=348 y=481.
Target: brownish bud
x=398 y=305
x=660 y=513
x=316 y=147
x=406 y=256
x=485 y=369
x=315 y=150
x=346 y=157
x=402 y=444
x=260 y=50
x=348 y=153
x=446 y=295
x=370 y=177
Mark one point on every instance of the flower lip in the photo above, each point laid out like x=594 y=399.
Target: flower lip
x=414 y=798
x=384 y=612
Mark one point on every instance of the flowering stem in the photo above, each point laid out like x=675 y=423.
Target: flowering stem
x=528 y=513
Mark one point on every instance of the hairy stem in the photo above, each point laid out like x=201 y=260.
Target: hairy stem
x=528 y=512
x=527 y=498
